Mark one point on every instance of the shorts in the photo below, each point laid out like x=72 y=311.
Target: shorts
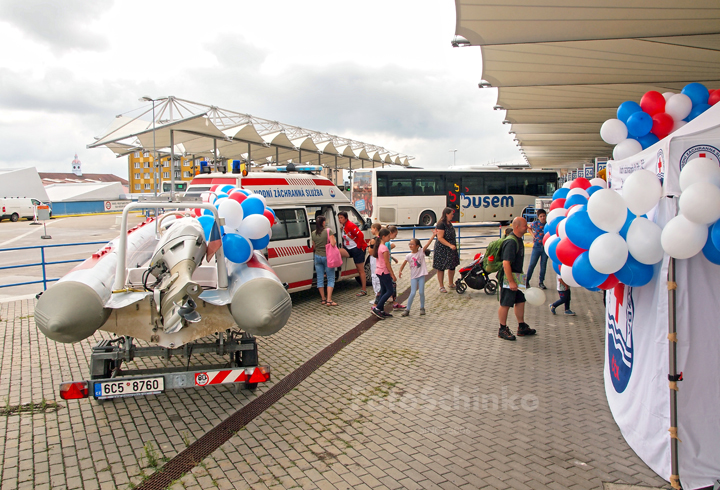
x=508 y=297
x=357 y=255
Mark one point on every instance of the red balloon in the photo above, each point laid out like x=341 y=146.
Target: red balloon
x=557 y=203
x=580 y=182
x=653 y=103
x=546 y=238
x=237 y=196
x=610 y=282
x=214 y=188
x=567 y=251
x=662 y=124
x=269 y=216
x=714 y=97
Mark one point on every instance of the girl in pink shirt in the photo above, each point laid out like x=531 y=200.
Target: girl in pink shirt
x=384 y=272
x=418 y=271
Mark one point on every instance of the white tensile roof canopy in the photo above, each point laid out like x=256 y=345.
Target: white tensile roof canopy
x=562 y=67
x=182 y=127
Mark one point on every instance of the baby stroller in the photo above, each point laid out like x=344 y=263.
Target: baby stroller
x=473 y=275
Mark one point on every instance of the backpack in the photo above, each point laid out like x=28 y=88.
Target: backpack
x=492 y=261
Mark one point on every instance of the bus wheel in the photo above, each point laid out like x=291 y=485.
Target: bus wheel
x=427 y=218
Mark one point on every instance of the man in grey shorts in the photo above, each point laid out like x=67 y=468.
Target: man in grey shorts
x=513 y=256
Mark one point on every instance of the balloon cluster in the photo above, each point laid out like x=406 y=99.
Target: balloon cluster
x=696 y=227
x=248 y=220
x=639 y=126
x=597 y=238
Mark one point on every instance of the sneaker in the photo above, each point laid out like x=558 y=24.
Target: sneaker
x=524 y=330
x=569 y=313
x=552 y=309
x=405 y=313
x=386 y=315
x=505 y=333
x=398 y=306
x=542 y=286
x=378 y=313
x=422 y=311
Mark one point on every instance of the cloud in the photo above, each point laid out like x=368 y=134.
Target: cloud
x=61 y=25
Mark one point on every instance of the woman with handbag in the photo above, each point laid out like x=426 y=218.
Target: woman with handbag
x=326 y=259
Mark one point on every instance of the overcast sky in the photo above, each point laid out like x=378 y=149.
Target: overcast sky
x=382 y=72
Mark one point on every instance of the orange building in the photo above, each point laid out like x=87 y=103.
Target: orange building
x=140 y=172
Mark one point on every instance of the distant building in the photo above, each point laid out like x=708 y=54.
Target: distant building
x=77 y=177
x=140 y=172
x=76 y=166
x=22 y=182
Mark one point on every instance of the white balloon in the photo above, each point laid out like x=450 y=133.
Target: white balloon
x=599 y=182
x=555 y=213
x=682 y=239
x=561 y=229
x=667 y=95
x=549 y=242
x=574 y=209
x=567 y=277
x=613 y=131
x=261 y=197
x=700 y=203
x=607 y=210
x=254 y=227
x=643 y=241
x=578 y=191
x=641 y=191
x=232 y=211
x=678 y=124
x=678 y=106
x=567 y=184
x=608 y=253
x=699 y=170
x=535 y=296
x=626 y=149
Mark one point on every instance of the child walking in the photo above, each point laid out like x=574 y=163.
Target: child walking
x=384 y=271
x=564 y=292
x=374 y=229
x=418 y=271
x=393 y=235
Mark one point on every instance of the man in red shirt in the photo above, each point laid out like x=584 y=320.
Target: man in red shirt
x=354 y=246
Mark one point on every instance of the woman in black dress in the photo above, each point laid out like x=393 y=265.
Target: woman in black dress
x=446 y=256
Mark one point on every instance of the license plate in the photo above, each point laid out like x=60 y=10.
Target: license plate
x=135 y=387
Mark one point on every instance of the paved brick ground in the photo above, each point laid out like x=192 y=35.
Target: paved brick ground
x=419 y=402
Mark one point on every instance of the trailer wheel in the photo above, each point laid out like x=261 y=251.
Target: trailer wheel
x=14 y=217
x=427 y=218
x=491 y=286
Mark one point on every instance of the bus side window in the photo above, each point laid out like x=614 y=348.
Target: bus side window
x=382 y=185
x=495 y=184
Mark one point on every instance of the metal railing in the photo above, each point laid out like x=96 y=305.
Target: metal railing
x=459 y=236
x=43 y=263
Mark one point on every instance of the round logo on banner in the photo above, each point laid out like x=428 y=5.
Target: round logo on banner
x=700 y=151
x=660 y=167
x=620 y=316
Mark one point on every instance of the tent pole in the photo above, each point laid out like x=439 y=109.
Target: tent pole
x=277 y=155
x=673 y=376
x=336 y=170
x=300 y=156
x=172 y=165
x=214 y=155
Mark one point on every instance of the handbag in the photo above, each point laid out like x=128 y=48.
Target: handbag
x=332 y=253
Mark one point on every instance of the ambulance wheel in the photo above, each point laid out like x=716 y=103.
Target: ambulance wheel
x=14 y=217
x=491 y=286
x=427 y=218
x=368 y=274
x=460 y=287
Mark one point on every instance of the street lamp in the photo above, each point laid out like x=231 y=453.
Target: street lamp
x=155 y=160
x=454 y=152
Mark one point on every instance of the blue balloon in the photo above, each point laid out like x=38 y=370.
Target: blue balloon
x=590 y=289
x=252 y=205
x=583 y=272
x=227 y=189
x=221 y=195
x=271 y=210
x=237 y=248
x=697 y=110
x=628 y=221
x=261 y=243
x=593 y=189
x=206 y=222
x=639 y=124
x=635 y=274
x=710 y=251
x=556 y=267
x=551 y=227
x=581 y=231
x=648 y=140
x=552 y=252
x=207 y=212
x=697 y=92
x=627 y=109
x=561 y=193
x=714 y=234
x=575 y=199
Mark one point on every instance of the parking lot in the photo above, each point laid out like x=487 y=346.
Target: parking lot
x=435 y=401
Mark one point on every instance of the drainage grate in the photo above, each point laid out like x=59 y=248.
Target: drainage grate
x=220 y=434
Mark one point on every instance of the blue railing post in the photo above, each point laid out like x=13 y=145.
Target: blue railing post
x=42 y=259
x=459 y=236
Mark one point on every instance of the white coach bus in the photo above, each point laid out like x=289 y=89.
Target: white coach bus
x=417 y=196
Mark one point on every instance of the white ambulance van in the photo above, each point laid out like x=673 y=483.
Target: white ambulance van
x=297 y=198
